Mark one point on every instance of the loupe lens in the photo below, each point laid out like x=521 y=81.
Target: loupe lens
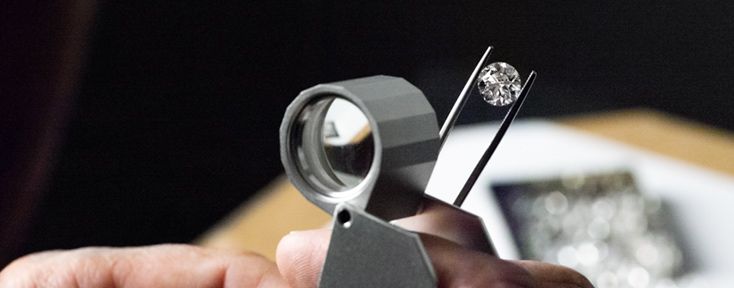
x=369 y=142
x=333 y=143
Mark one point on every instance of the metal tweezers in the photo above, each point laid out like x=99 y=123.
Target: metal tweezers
x=448 y=125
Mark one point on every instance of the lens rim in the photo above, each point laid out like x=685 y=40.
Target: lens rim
x=317 y=182
x=307 y=148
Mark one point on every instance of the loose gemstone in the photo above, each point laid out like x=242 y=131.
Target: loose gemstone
x=499 y=83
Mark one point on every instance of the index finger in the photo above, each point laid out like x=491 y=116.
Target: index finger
x=151 y=266
x=301 y=256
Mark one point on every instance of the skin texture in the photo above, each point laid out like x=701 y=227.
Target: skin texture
x=300 y=257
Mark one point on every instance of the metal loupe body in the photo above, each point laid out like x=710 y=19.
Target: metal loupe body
x=370 y=143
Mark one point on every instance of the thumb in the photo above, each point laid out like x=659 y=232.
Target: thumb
x=300 y=256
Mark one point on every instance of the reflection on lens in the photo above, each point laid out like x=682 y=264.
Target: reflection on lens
x=347 y=140
x=334 y=144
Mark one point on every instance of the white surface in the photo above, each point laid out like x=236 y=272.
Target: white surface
x=702 y=200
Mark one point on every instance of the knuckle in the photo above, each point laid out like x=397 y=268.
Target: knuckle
x=501 y=273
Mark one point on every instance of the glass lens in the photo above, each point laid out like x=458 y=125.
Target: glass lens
x=348 y=143
x=335 y=146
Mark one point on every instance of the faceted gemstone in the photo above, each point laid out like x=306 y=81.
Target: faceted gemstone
x=499 y=83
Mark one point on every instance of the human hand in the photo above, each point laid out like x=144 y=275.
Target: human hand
x=300 y=257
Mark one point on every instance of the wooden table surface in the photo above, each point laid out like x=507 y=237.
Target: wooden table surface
x=279 y=208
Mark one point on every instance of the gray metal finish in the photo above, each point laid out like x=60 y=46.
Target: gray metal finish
x=367 y=252
x=406 y=140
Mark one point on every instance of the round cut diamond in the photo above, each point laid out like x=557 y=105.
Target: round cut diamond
x=499 y=83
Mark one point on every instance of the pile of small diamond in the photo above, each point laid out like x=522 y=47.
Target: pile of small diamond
x=602 y=227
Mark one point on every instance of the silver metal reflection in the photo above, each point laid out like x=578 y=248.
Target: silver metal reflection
x=450 y=121
x=501 y=85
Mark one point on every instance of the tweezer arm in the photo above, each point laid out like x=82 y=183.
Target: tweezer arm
x=461 y=101
x=495 y=141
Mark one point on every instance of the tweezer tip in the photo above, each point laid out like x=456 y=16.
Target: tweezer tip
x=486 y=52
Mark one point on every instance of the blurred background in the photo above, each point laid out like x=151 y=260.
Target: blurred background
x=141 y=122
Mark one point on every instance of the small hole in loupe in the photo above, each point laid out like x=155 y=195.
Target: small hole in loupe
x=344 y=218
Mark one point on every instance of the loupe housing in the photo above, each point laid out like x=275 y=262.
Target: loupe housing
x=363 y=151
x=369 y=142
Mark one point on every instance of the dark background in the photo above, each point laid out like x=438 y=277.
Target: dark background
x=175 y=119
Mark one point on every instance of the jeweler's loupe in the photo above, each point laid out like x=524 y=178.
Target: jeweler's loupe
x=369 y=142
x=364 y=149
